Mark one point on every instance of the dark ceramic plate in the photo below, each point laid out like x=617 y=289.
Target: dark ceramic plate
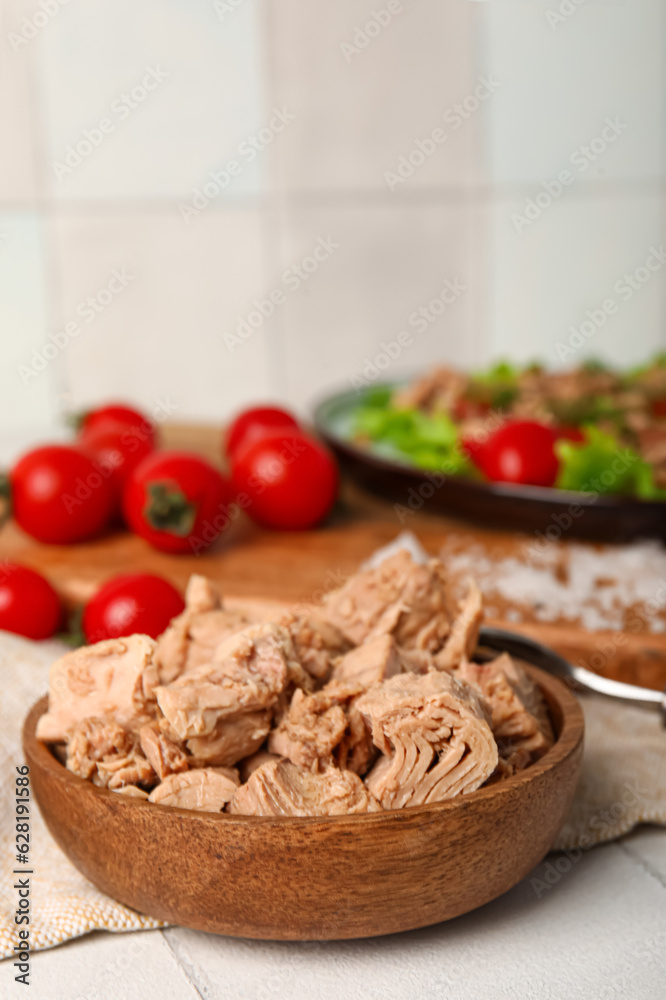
x=554 y=513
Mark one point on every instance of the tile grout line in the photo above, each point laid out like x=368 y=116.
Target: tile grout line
x=272 y=219
x=483 y=193
x=648 y=868
x=180 y=965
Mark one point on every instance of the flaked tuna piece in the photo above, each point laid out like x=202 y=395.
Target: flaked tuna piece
x=438 y=390
x=310 y=729
x=317 y=642
x=399 y=597
x=280 y=788
x=233 y=738
x=192 y=637
x=92 y=740
x=355 y=751
x=519 y=717
x=205 y=789
x=208 y=630
x=464 y=635
x=202 y=595
x=102 y=751
x=132 y=792
x=113 y=678
x=162 y=753
x=250 y=764
x=372 y=661
x=324 y=728
x=509 y=764
x=249 y=671
x=133 y=769
x=434 y=734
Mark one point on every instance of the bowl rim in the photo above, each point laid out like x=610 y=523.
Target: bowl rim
x=567 y=743
x=609 y=501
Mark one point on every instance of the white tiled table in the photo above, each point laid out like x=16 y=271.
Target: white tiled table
x=598 y=933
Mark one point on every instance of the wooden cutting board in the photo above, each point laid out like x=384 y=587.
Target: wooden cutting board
x=300 y=567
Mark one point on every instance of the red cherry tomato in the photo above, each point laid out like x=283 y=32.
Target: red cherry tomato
x=28 y=603
x=466 y=409
x=61 y=495
x=521 y=451
x=570 y=433
x=134 y=602
x=252 y=425
x=176 y=501
x=118 y=413
x=290 y=478
x=659 y=407
x=118 y=448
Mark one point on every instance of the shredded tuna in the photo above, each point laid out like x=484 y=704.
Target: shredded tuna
x=311 y=728
x=92 y=740
x=164 y=755
x=434 y=735
x=374 y=660
x=509 y=765
x=464 y=633
x=193 y=636
x=519 y=718
x=280 y=788
x=233 y=738
x=132 y=792
x=317 y=642
x=324 y=728
x=381 y=686
x=205 y=789
x=133 y=769
x=102 y=751
x=400 y=597
x=249 y=671
x=250 y=764
x=111 y=679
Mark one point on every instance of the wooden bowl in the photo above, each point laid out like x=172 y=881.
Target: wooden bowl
x=310 y=878
x=556 y=513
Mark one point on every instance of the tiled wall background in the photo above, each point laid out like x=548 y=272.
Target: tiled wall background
x=359 y=82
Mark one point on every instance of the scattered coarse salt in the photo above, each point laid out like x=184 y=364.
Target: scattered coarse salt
x=592 y=585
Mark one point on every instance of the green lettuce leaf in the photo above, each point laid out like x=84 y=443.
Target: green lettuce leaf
x=430 y=442
x=601 y=464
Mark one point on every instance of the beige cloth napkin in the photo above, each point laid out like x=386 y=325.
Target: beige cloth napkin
x=64 y=904
x=623 y=783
